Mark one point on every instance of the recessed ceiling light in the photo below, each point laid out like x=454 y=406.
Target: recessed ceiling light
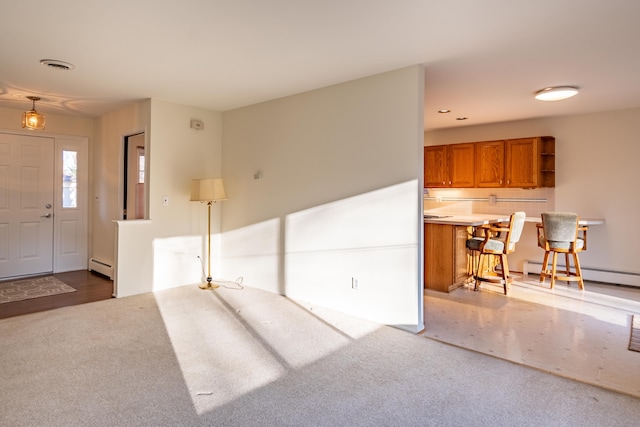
x=58 y=65
x=462 y=118
x=556 y=93
x=444 y=111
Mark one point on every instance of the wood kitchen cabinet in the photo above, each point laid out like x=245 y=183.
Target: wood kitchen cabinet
x=461 y=165
x=490 y=164
x=449 y=165
x=445 y=256
x=435 y=166
x=512 y=163
x=530 y=162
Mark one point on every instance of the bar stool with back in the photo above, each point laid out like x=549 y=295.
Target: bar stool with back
x=560 y=232
x=499 y=240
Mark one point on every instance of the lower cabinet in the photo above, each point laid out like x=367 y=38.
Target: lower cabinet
x=446 y=263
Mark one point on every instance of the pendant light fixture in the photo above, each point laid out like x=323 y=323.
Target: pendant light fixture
x=32 y=119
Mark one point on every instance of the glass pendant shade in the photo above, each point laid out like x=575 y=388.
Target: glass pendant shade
x=32 y=120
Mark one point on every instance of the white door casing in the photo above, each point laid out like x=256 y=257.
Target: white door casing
x=26 y=205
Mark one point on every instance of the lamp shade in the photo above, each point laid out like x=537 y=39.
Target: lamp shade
x=207 y=190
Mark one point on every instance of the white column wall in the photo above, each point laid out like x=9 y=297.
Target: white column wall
x=167 y=249
x=325 y=188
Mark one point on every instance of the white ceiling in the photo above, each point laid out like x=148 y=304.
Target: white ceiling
x=483 y=59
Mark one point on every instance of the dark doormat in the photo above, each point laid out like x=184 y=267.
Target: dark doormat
x=634 y=342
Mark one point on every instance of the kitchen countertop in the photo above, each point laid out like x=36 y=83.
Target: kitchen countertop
x=469 y=220
x=475 y=220
x=583 y=221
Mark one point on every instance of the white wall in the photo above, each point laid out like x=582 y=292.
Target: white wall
x=107 y=172
x=163 y=252
x=340 y=197
x=596 y=175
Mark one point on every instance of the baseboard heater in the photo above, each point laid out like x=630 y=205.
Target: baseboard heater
x=594 y=274
x=101 y=267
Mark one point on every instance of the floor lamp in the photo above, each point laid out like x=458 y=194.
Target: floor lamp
x=208 y=190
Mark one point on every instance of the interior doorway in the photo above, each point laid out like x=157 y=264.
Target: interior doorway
x=135 y=177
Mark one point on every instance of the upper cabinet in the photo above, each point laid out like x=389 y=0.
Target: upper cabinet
x=530 y=162
x=461 y=165
x=513 y=163
x=490 y=164
x=436 y=171
x=449 y=165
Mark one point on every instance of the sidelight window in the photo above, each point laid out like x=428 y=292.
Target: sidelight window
x=69 y=179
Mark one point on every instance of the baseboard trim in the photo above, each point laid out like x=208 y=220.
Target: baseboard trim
x=593 y=274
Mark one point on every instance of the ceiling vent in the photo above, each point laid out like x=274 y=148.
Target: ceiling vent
x=58 y=65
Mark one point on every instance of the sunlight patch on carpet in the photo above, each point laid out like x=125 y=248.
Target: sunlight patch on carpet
x=18 y=290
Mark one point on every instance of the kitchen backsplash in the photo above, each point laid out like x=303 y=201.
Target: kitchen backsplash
x=463 y=201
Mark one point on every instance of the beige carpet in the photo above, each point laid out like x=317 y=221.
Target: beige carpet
x=36 y=287
x=187 y=357
x=634 y=342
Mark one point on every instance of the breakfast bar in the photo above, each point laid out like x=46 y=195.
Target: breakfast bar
x=446 y=262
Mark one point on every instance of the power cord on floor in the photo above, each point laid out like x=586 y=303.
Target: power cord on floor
x=228 y=284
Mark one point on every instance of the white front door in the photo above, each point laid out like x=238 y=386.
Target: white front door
x=26 y=205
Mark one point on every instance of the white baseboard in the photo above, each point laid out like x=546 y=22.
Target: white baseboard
x=101 y=267
x=594 y=274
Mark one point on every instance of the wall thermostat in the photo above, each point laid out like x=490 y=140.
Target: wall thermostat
x=197 y=124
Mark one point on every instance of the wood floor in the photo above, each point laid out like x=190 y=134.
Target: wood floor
x=89 y=287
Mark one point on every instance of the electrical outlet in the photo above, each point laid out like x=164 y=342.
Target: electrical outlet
x=354 y=283
x=165 y=200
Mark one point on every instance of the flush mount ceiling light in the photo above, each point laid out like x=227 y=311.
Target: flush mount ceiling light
x=556 y=93
x=32 y=119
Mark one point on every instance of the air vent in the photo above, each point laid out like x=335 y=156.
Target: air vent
x=58 y=65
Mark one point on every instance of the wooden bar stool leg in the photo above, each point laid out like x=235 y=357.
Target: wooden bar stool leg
x=545 y=262
x=554 y=263
x=505 y=272
x=576 y=262
x=476 y=287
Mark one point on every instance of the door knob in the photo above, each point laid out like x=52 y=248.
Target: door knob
x=46 y=216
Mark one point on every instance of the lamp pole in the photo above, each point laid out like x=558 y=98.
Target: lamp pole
x=208 y=190
x=209 y=284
